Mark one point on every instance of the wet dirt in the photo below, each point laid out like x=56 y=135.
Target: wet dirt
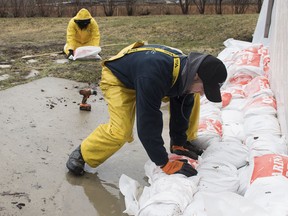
x=41 y=124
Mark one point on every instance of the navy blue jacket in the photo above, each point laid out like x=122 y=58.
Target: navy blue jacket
x=150 y=74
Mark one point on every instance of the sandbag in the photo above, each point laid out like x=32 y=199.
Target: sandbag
x=87 y=52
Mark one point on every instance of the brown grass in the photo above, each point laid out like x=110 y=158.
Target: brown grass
x=31 y=36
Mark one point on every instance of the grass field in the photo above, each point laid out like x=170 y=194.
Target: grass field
x=32 y=36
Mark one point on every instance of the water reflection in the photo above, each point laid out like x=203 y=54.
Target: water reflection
x=105 y=197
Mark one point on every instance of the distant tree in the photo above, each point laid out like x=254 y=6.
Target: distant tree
x=184 y=4
x=60 y=8
x=200 y=4
x=45 y=7
x=240 y=6
x=109 y=7
x=78 y=6
x=130 y=6
x=4 y=4
x=259 y=6
x=218 y=6
x=30 y=8
x=16 y=7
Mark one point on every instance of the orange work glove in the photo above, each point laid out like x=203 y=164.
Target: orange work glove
x=187 y=149
x=177 y=166
x=180 y=150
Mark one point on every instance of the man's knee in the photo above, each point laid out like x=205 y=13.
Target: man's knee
x=121 y=134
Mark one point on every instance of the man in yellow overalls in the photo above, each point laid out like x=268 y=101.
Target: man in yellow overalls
x=82 y=30
x=137 y=79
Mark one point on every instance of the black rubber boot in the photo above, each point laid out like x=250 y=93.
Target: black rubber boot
x=76 y=163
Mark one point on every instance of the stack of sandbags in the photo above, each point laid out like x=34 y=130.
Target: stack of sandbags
x=243 y=170
x=248 y=69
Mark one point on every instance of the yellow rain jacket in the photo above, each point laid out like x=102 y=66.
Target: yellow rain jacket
x=76 y=37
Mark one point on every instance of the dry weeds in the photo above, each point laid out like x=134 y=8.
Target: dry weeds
x=32 y=36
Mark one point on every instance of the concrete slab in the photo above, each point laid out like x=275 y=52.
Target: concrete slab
x=40 y=125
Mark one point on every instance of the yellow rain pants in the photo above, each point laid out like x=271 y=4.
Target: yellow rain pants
x=108 y=138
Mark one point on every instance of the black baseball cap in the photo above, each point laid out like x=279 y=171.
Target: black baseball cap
x=213 y=73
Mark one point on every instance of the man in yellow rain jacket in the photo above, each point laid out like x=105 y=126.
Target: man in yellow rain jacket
x=136 y=80
x=82 y=30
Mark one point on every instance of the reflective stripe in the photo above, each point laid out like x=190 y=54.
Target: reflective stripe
x=176 y=65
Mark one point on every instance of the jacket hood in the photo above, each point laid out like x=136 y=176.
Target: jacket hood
x=83 y=14
x=190 y=69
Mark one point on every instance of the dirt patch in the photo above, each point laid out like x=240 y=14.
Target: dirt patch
x=43 y=59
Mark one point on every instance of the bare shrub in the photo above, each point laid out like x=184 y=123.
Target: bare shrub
x=109 y=7
x=130 y=4
x=218 y=6
x=184 y=4
x=240 y=6
x=200 y=4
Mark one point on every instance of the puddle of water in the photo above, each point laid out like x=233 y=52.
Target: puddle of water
x=5 y=66
x=104 y=198
x=4 y=77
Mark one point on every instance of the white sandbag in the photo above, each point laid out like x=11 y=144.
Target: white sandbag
x=236 y=91
x=260 y=167
x=153 y=172
x=210 y=120
x=197 y=206
x=131 y=190
x=233 y=132
x=232 y=116
x=247 y=58
x=266 y=144
x=263 y=104
x=235 y=104
x=209 y=126
x=232 y=125
x=217 y=176
x=210 y=110
x=226 y=98
x=87 y=52
x=234 y=153
x=261 y=124
x=203 y=141
x=233 y=46
x=242 y=75
x=204 y=101
x=270 y=193
x=244 y=174
x=269 y=165
x=258 y=85
x=222 y=204
x=168 y=195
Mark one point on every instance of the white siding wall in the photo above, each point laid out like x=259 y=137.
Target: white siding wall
x=277 y=42
x=279 y=60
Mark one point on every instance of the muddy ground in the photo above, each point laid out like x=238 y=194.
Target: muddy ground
x=40 y=125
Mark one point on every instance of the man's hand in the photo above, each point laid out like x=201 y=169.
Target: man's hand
x=187 y=149
x=180 y=150
x=70 y=54
x=177 y=166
